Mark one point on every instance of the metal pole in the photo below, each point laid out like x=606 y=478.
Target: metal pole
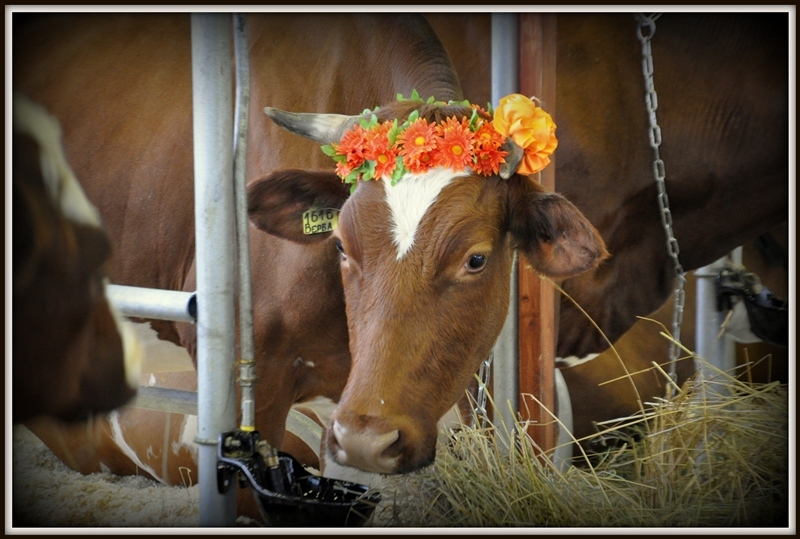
x=214 y=229
x=719 y=352
x=154 y=303
x=505 y=80
x=247 y=366
x=164 y=399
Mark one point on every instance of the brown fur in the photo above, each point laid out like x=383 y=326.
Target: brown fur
x=67 y=351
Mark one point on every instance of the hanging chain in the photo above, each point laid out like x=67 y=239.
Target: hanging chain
x=645 y=31
x=484 y=378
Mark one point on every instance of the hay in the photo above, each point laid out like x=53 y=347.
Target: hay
x=45 y=492
x=715 y=453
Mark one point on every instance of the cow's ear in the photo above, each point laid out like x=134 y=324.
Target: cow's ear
x=278 y=204
x=550 y=231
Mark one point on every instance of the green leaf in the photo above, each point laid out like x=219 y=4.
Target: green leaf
x=369 y=172
x=352 y=177
x=393 y=132
x=328 y=150
x=413 y=116
x=399 y=170
x=415 y=96
x=473 y=121
x=431 y=100
x=353 y=187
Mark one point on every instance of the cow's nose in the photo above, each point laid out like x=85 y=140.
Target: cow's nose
x=365 y=447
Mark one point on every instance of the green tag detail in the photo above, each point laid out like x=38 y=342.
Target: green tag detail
x=317 y=221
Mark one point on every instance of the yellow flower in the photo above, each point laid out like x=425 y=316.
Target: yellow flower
x=530 y=127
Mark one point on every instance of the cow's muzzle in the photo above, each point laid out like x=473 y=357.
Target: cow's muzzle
x=379 y=444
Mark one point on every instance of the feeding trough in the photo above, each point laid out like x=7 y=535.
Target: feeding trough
x=286 y=493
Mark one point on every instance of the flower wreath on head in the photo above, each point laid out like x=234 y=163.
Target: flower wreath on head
x=373 y=149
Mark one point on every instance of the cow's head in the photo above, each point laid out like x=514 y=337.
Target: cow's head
x=72 y=356
x=426 y=262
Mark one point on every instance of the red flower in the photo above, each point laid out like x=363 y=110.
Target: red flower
x=454 y=144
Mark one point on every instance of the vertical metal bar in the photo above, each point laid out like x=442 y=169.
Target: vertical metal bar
x=247 y=370
x=213 y=147
x=505 y=80
x=718 y=352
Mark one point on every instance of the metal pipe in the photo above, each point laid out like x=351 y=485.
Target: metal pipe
x=505 y=80
x=166 y=400
x=214 y=230
x=247 y=369
x=719 y=352
x=153 y=303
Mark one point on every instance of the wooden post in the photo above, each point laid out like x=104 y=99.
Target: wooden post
x=536 y=297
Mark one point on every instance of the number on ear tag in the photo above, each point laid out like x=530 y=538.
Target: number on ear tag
x=320 y=221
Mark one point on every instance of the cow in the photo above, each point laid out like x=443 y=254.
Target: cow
x=414 y=313
x=587 y=88
x=722 y=86
x=71 y=353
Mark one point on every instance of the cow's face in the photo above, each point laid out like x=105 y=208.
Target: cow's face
x=72 y=354
x=426 y=267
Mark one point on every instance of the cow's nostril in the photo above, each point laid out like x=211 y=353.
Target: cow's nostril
x=365 y=448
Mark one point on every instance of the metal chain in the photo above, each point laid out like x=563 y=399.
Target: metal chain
x=484 y=377
x=645 y=31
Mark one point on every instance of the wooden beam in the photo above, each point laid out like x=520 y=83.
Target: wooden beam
x=536 y=297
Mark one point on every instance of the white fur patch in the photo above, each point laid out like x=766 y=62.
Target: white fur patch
x=63 y=186
x=189 y=431
x=409 y=200
x=574 y=361
x=119 y=439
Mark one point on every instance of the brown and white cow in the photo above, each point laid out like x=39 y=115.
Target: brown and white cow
x=127 y=79
x=426 y=265
x=125 y=99
x=71 y=355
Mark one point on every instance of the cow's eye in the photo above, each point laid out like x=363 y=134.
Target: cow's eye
x=340 y=248
x=475 y=263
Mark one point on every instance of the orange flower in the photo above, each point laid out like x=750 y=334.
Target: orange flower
x=488 y=154
x=530 y=127
x=454 y=144
x=417 y=142
x=343 y=169
x=418 y=138
x=352 y=146
x=378 y=150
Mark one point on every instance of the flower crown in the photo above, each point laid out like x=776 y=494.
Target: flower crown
x=373 y=150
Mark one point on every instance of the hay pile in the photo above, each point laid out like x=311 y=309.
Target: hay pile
x=45 y=492
x=714 y=454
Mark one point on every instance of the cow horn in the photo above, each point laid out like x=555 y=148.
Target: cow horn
x=513 y=159
x=322 y=128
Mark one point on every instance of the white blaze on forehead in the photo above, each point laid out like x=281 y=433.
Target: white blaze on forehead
x=409 y=200
x=61 y=183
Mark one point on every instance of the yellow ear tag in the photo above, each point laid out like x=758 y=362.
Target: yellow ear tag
x=320 y=221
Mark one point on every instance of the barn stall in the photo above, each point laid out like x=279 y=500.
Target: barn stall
x=184 y=512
